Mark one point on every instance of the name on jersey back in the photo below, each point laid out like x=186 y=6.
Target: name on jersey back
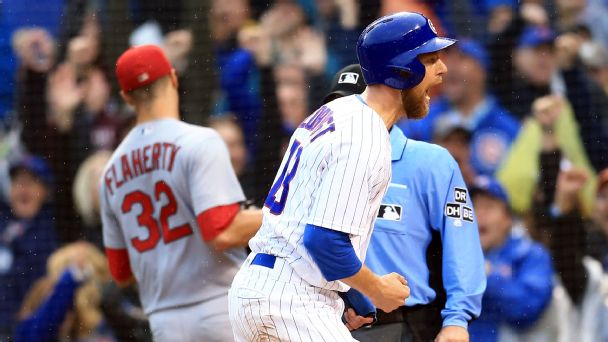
x=153 y=157
x=319 y=123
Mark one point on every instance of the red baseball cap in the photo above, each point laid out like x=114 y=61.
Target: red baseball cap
x=140 y=66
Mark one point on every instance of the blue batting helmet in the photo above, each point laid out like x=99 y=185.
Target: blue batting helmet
x=392 y=43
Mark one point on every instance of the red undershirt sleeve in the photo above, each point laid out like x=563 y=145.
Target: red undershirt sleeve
x=118 y=260
x=213 y=221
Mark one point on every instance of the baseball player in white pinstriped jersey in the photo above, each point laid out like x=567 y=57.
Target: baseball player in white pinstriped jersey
x=170 y=209
x=319 y=214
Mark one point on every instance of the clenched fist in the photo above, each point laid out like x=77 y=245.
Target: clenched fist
x=391 y=293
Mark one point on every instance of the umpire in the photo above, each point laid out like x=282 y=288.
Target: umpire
x=425 y=230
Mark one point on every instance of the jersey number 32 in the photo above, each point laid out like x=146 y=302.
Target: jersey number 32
x=146 y=220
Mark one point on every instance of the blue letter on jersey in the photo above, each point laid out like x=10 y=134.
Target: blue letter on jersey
x=271 y=203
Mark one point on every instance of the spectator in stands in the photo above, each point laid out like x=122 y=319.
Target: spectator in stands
x=519 y=271
x=269 y=133
x=465 y=101
x=456 y=139
x=228 y=128
x=529 y=62
x=237 y=67
x=552 y=123
x=27 y=235
x=231 y=133
x=534 y=66
x=21 y=16
x=339 y=22
x=68 y=113
x=81 y=117
x=294 y=42
x=37 y=52
x=595 y=60
x=292 y=96
x=79 y=93
x=65 y=304
x=573 y=241
x=85 y=192
x=591 y=13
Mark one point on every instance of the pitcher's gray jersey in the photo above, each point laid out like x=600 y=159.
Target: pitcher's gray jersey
x=333 y=175
x=158 y=180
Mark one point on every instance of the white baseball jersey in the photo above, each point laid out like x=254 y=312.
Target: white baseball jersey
x=334 y=174
x=158 y=180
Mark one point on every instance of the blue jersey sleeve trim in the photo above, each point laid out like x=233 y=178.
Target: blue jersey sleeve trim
x=332 y=251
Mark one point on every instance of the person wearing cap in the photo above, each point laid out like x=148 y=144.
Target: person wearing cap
x=578 y=244
x=465 y=102
x=426 y=230
x=27 y=235
x=456 y=138
x=171 y=208
x=530 y=61
x=519 y=271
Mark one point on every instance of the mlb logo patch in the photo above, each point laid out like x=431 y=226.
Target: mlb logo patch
x=349 y=77
x=390 y=212
x=143 y=77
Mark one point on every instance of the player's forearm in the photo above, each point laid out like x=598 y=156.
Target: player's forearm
x=242 y=228
x=366 y=281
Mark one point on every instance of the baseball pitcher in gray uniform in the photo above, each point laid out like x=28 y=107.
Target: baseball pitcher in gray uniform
x=170 y=206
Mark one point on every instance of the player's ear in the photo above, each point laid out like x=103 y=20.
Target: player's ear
x=173 y=77
x=127 y=98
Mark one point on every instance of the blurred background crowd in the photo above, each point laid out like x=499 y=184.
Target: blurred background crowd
x=525 y=102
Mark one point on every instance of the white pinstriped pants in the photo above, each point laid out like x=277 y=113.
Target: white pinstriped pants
x=275 y=304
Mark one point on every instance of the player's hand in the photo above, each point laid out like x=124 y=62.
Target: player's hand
x=392 y=292
x=452 y=333
x=354 y=321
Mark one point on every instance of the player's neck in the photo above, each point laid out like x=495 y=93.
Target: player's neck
x=157 y=110
x=385 y=101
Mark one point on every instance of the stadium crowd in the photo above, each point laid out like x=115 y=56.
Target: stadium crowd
x=524 y=106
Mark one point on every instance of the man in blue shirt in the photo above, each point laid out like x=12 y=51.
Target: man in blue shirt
x=27 y=235
x=519 y=270
x=425 y=230
x=465 y=102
